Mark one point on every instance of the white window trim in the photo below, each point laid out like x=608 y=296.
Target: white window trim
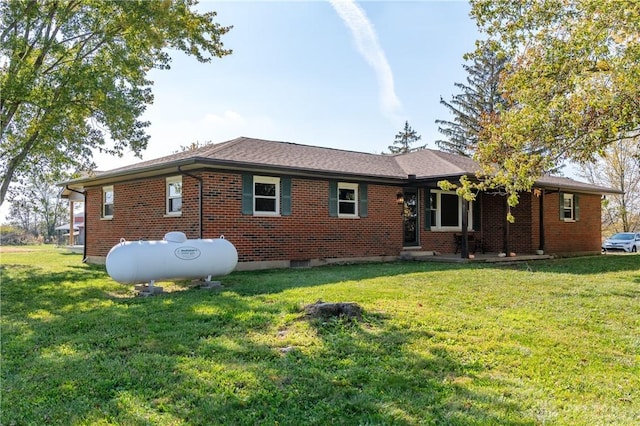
x=437 y=226
x=354 y=187
x=168 y=181
x=572 y=208
x=268 y=180
x=105 y=190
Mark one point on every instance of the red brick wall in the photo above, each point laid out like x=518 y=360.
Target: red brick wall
x=308 y=233
x=138 y=213
x=561 y=237
x=492 y=222
x=582 y=236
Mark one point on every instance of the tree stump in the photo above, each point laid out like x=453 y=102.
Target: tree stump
x=325 y=310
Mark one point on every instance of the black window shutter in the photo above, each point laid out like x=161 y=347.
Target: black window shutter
x=363 y=200
x=285 y=194
x=477 y=217
x=333 y=198
x=576 y=207
x=247 y=193
x=427 y=209
x=561 y=196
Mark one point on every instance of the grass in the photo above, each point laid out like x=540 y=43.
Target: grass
x=554 y=342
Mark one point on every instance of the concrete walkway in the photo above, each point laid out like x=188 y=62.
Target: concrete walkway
x=478 y=257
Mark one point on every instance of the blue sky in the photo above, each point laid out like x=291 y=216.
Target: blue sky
x=338 y=74
x=344 y=74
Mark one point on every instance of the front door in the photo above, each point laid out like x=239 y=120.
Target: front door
x=410 y=217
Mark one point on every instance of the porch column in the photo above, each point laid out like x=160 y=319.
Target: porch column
x=71 y=240
x=505 y=235
x=464 y=250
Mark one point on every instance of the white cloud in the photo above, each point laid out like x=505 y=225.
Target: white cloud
x=368 y=46
x=227 y=118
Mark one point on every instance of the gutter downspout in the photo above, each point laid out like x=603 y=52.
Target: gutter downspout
x=84 y=201
x=464 y=250
x=200 y=192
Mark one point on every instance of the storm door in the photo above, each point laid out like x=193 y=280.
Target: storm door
x=410 y=217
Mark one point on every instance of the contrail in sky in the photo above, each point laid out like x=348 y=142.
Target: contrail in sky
x=368 y=46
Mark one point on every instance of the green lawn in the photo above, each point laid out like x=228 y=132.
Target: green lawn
x=553 y=342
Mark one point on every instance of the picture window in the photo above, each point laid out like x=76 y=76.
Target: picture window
x=446 y=211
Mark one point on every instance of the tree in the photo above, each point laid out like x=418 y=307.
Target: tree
x=192 y=146
x=404 y=140
x=619 y=168
x=480 y=97
x=36 y=205
x=74 y=75
x=571 y=88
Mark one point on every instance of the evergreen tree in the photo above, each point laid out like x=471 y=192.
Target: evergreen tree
x=404 y=139
x=480 y=97
x=571 y=89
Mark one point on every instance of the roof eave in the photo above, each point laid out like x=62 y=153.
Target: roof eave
x=196 y=163
x=578 y=188
x=129 y=174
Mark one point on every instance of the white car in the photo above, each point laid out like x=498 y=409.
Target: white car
x=624 y=241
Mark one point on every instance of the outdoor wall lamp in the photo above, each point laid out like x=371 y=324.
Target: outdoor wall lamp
x=400 y=197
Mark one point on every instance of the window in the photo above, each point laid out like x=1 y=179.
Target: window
x=174 y=195
x=450 y=211
x=107 y=202
x=266 y=195
x=446 y=211
x=347 y=199
x=569 y=207
x=433 y=209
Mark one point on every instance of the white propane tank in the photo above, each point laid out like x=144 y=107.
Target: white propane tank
x=175 y=257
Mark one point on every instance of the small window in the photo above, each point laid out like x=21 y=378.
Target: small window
x=266 y=194
x=347 y=199
x=174 y=195
x=567 y=207
x=107 y=202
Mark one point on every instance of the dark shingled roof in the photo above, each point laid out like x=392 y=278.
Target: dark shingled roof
x=253 y=153
x=565 y=183
x=429 y=163
x=260 y=152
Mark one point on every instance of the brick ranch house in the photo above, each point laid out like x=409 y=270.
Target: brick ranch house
x=285 y=204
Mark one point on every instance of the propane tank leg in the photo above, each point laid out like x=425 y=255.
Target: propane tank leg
x=148 y=289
